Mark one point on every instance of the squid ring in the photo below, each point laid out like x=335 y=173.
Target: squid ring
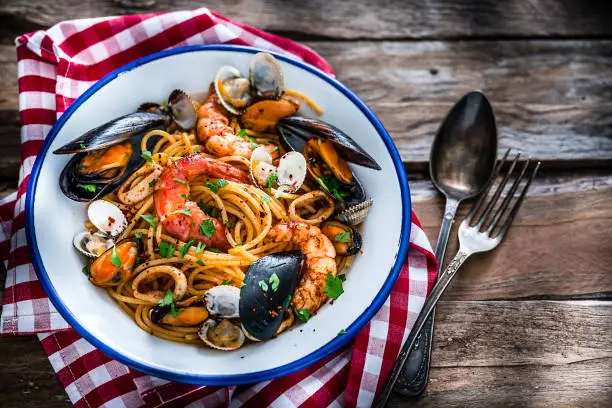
x=154 y=296
x=308 y=199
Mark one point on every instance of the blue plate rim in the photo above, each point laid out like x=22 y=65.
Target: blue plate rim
x=234 y=379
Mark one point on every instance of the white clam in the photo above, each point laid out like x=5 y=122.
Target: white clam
x=232 y=89
x=107 y=217
x=261 y=166
x=291 y=171
x=223 y=301
x=223 y=335
x=90 y=244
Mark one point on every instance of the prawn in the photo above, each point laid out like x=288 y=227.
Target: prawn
x=320 y=260
x=181 y=217
x=214 y=130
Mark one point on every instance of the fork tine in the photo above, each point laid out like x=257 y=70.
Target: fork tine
x=518 y=203
x=504 y=205
x=497 y=193
x=483 y=196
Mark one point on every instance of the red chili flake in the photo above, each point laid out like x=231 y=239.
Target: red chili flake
x=273 y=313
x=253 y=309
x=111 y=220
x=361 y=252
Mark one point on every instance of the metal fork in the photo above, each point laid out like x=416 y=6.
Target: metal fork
x=481 y=231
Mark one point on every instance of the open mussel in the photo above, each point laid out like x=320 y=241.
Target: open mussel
x=116 y=264
x=107 y=155
x=188 y=312
x=346 y=240
x=266 y=293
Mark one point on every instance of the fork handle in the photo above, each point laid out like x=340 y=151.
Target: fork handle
x=428 y=307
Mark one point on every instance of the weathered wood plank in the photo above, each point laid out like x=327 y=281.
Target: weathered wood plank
x=349 y=19
x=552 y=99
x=559 y=244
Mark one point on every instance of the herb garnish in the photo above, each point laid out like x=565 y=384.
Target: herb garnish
x=287 y=301
x=342 y=277
x=115 y=260
x=81 y=145
x=208 y=228
x=222 y=183
x=185 y=211
x=343 y=237
x=226 y=282
x=242 y=284
x=147 y=156
x=271 y=179
x=265 y=199
x=200 y=247
x=274 y=281
x=242 y=133
x=303 y=314
x=168 y=300
x=215 y=250
x=178 y=180
x=215 y=187
x=185 y=248
x=329 y=183
x=253 y=143
x=263 y=285
x=199 y=262
x=166 y=250
x=150 y=219
x=85 y=271
x=138 y=235
x=153 y=182
x=229 y=224
x=88 y=187
x=333 y=286
x=185 y=197
x=341 y=332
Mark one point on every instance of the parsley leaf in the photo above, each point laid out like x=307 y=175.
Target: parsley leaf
x=153 y=182
x=168 y=299
x=215 y=250
x=279 y=191
x=333 y=186
x=175 y=312
x=115 y=260
x=211 y=186
x=185 y=197
x=242 y=284
x=242 y=133
x=275 y=149
x=342 y=277
x=85 y=271
x=287 y=301
x=226 y=282
x=253 y=143
x=185 y=248
x=200 y=247
x=303 y=314
x=166 y=250
x=185 y=211
x=81 y=145
x=138 y=235
x=199 y=262
x=274 y=281
x=265 y=199
x=271 y=179
x=229 y=224
x=263 y=285
x=343 y=237
x=222 y=183
x=146 y=155
x=208 y=228
x=333 y=286
x=178 y=180
x=88 y=187
x=150 y=219
x=341 y=332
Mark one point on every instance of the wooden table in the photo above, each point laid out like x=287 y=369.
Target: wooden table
x=527 y=325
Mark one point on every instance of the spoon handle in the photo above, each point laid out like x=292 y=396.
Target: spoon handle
x=415 y=373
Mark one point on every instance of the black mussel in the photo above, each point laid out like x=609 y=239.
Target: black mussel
x=152 y=107
x=295 y=131
x=268 y=286
x=346 y=240
x=104 y=272
x=90 y=175
x=182 y=110
x=192 y=313
x=114 y=132
x=332 y=172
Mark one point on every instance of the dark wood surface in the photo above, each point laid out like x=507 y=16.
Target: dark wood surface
x=527 y=325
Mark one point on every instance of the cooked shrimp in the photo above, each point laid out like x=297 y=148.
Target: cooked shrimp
x=180 y=217
x=214 y=130
x=320 y=260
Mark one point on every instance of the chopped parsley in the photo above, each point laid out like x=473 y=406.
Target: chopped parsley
x=226 y=282
x=215 y=187
x=81 y=145
x=153 y=182
x=149 y=219
x=168 y=300
x=185 y=248
x=222 y=183
x=185 y=197
x=85 y=271
x=341 y=332
x=342 y=277
x=208 y=228
x=265 y=199
x=200 y=247
x=303 y=314
x=88 y=187
x=185 y=211
x=138 y=235
x=333 y=186
x=275 y=149
x=242 y=133
x=333 y=286
x=287 y=301
x=229 y=224
x=279 y=191
x=274 y=281
x=178 y=180
x=166 y=250
x=271 y=179
x=253 y=143
x=242 y=284
x=115 y=260
x=199 y=262
x=343 y=237
x=146 y=155
x=263 y=285
x=138 y=259
x=215 y=250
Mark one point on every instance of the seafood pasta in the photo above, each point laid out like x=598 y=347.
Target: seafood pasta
x=221 y=222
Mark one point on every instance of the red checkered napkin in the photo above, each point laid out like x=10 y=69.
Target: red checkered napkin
x=55 y=67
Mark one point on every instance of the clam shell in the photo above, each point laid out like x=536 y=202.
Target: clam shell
x=230 y=76
x=355 y=214
x=106 y=217
x=291 y=171
x=266 y=76
x=261 y=167
x=182 y=109
x=211 y=324
x=82 y=238
x=223 y=301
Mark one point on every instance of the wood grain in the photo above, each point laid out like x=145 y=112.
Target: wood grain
x=346 y=19
x=558 y=246
x=552 y=99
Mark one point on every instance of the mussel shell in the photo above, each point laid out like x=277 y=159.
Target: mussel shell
x=266 y=76
x=158 y=312
x=123 y=273
x=295 y=131
x=113 y=132
x=261 y=311
x=332 y=228
x=355 y=214
x=182 y=110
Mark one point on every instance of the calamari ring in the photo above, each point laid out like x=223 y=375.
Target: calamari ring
x=154 y=296
x=305 y=201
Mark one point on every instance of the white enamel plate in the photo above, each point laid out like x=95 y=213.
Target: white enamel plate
x=53 y=219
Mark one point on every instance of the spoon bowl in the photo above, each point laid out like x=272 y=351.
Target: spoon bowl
x=464 y=150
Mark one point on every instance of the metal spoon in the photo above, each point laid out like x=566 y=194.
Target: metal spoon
x=462 y=160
